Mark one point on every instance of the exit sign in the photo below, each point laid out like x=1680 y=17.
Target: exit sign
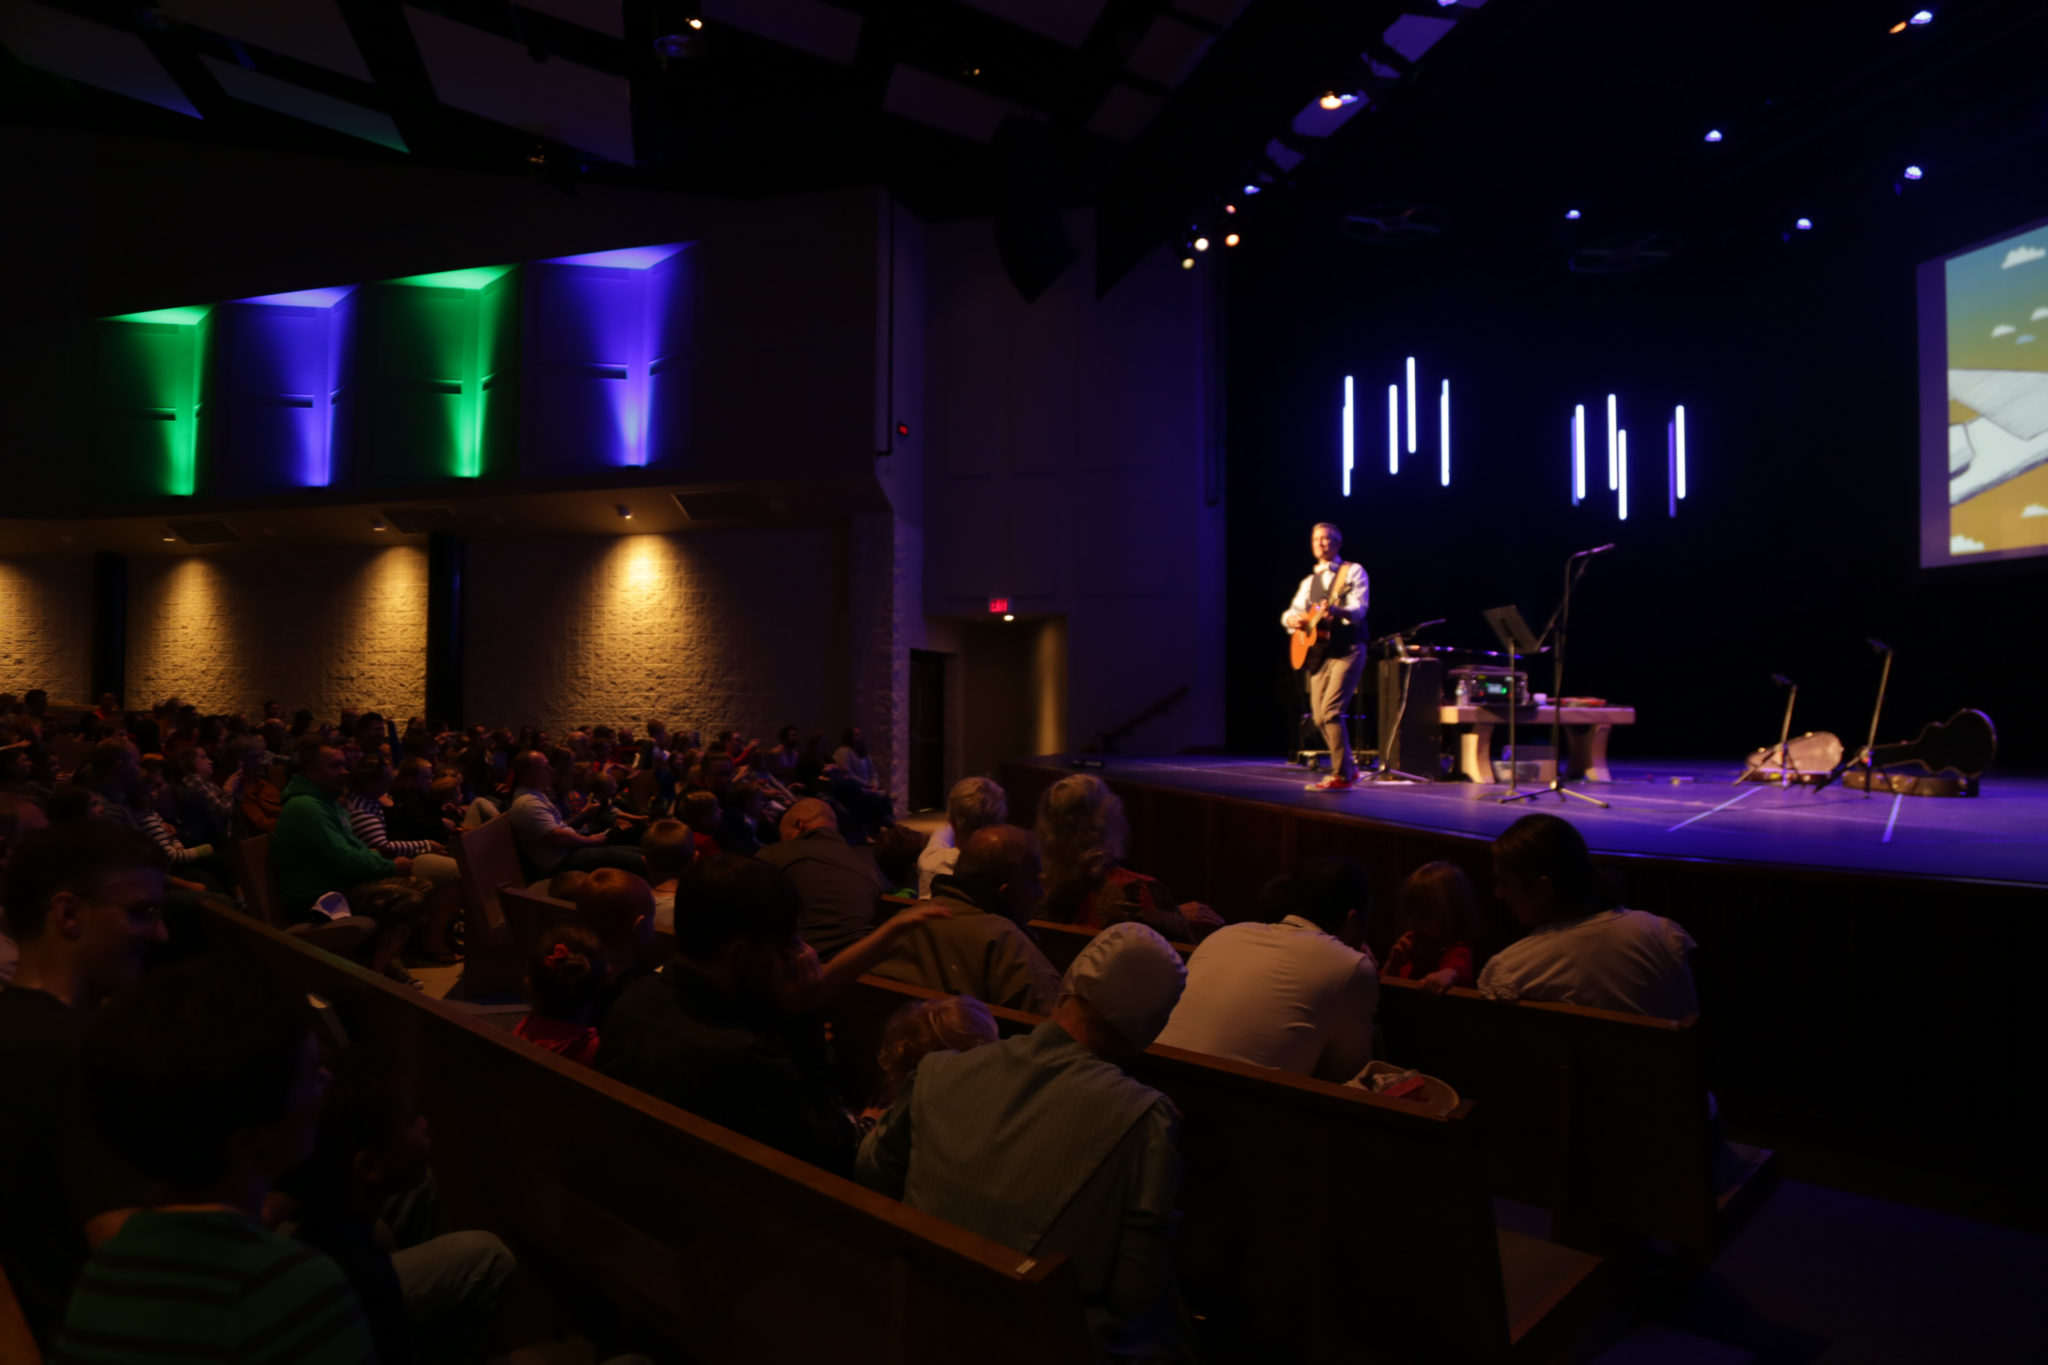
x=998 y=604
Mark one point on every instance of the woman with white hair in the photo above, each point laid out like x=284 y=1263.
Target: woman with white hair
x=975 y=803
x=1083 y=837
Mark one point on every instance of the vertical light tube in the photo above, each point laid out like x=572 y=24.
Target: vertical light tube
x=1393 y=428
x=1411 y=405
x=1349 y=436
x=1613 y=426
x=1443 y=418
x=1621 y=470
x=1578 y=454
x=1671 y=469
x=1678 y=449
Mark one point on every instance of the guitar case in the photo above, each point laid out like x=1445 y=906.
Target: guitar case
x=1947 y=759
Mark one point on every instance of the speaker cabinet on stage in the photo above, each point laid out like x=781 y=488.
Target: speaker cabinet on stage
x=1411 y=737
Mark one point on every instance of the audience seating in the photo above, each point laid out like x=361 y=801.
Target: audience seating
x=1062 y=943
x=730 y=1251
x=249 y=861
x=1600 y=1117
x=1320 y=1221
x=487 y=859
x=528 y=916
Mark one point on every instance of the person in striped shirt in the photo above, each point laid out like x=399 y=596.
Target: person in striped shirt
x=206 y=1076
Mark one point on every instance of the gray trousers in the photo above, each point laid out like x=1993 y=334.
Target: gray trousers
x=1330 y=686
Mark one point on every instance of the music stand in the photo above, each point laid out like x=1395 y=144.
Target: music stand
x=1515 y=637
x=1573 y=567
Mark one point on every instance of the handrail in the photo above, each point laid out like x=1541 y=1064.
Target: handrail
x=1105 y=741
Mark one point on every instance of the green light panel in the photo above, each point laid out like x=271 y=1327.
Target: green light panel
x=155 y=378
x=446 y=350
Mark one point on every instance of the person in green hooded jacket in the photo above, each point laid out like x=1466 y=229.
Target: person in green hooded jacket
x=313 y=849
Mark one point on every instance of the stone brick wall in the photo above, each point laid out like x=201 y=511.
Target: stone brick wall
x=719 y=629
x=323 y=628
x=46 y=626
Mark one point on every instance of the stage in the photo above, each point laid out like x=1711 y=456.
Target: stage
x=1674 y=810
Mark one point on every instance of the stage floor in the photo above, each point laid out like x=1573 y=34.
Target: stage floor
x=1677 y=810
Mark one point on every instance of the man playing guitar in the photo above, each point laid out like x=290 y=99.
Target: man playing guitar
x=1329 y=609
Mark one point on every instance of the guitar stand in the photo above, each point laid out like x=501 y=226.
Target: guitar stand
x=1870 y=744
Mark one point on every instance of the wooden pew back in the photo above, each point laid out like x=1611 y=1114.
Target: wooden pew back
x=1318 y=1220
x=730 y=1250
x=487 y=859
x=259 y=886
x=1599 y=1116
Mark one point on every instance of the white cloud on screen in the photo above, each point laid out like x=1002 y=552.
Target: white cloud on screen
x=2037 y=315
x=2020 y=255
x=2023 y=338
x=2035 y=509
x=2003 y=329
x=1963 y=545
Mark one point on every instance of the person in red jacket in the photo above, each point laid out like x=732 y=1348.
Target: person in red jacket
x=1436 y=911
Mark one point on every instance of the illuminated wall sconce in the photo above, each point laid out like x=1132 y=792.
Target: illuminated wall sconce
x=453 y=335
x=287 y=364
x=607 y=349
x=153 y=397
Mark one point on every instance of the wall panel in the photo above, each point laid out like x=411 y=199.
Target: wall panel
x=46 y=626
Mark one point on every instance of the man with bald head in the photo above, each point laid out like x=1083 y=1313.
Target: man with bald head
x=837 y=884
x=548 y=843
x=983 y=949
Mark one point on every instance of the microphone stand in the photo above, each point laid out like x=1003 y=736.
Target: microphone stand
x=1870 y=745
x=1381 y=771
x=1573 y=569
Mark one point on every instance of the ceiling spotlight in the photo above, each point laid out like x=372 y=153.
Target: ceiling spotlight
x=625 y=512
x=696 y=23
x=1232 y=240
x=1573 y=214
x=169 y=539
x=1713 y=135
x=1201 y=243
x=1187 y=263
x=1009 y=616
x=1230 y=208
x=1914 y=173
x=377 y=523
x=1899 y=27
x=1804 y=225
x=1331 y=100
x=1251 y=189
x=1925 y=16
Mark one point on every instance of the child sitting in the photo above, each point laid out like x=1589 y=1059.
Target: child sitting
x=948 y=1023
x=1436 y=911
x=564 y=979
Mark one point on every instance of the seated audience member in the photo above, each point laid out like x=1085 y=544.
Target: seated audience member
x=369 y=784
x=314 y=850
x=618 y=910
x=869 y=806
x=415 y=812
x=852 y=758
x=952 y=1023
x=1298 y=994
x=565 y=979
x=1043 y=1143
x=205 y=812
x=1083 y=836
x=974 y=803
x=669 y=848
x=837 y=885
x=1574 y=951
x=811 y=761
x=85 y=902
x=547 y=842
x=704 y=1034
x=780 y=762
x=1436 y=912
x=982 y=948
x=206 y=1076
x=742 y=817
x=705 y=815
x=119 y=797
x=897 y=849
x=257 y=799
x=435 y=1299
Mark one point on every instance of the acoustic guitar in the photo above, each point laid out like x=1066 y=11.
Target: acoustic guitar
x=1814 y=758
x=1310 y=636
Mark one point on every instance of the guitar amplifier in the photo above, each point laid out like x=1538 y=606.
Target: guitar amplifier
x=1489 y=687
x=1415 y=745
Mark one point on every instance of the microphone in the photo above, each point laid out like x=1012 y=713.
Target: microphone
x=1417 y=630
x=1781 y=680
x=1596 y=550
x=1878 y=645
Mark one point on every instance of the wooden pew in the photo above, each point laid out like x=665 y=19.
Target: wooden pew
x=487 y=860
x=730 y=1250
x=249 y=861
x=1062 y=943
x=1598 y=1116
x=1320 y=1222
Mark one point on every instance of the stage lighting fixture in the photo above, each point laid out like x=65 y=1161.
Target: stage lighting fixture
x=1009 y=616
x=1914 y=173
x=1230 y=208
x=696 y=23
x=1393 y=428
x=1573 y=215
x=1232 y=240
x=1925 y=16
x=1187 y=263
x=1613 y=427
x=1713 y=135
x=1899 y=27
x=1621 y=488
x=1804 y=225
x=1201 y=243
x=1443 y=425
x=1331 y=100
x=1678 y=451
x=377 y=524
x=1578 y=454
x=170 y=540
x=1411 y=405
x=1350 y=436
x=1251 y=189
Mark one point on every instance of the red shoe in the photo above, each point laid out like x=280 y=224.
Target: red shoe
x=1330 y=784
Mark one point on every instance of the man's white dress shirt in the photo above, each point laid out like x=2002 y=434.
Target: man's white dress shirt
x=1284 y=995
x=1348 y=594
x=1625 y=960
